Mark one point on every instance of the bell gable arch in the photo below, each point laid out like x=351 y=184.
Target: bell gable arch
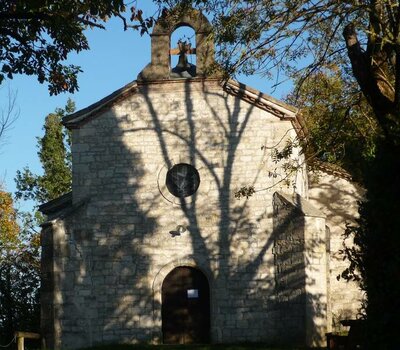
x=159 y=68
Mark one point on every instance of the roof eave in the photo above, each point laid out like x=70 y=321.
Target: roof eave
x=74 y=120
x=56 y=204
x=263 y=101
x=246 y=93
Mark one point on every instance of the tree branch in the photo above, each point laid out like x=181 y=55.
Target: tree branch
x=9 y=115
x=365 y=77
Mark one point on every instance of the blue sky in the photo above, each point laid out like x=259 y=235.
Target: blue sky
x=115 y=58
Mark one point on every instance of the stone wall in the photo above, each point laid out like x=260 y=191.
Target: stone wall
x=54 y=275
x=47 y=285
x=290 y=271
x=119 y=244
x=337 y=198
x=301 y=270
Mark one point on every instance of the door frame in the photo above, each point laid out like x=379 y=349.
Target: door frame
x=157 y=295
x=194 y=327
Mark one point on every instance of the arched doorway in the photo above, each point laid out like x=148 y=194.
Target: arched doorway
x=185 y=307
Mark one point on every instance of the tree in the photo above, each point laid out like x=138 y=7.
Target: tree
x=55 y=157
x=8 y=221
x=340 y=124
x=271 y=37
x=36 y=37
x=19 y=273
x=9 y=114
x=20 y=255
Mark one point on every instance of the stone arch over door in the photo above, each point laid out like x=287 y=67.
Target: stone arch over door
x=185 y=309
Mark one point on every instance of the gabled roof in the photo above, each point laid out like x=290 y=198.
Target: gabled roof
x=56 y=204
x=250 y=95
x=301 y=204
x=60 y=208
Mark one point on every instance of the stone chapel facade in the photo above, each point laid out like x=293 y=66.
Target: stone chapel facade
x=152 y=246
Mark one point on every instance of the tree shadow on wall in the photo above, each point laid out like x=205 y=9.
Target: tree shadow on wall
x=339 y=199
x=105 y=289
x=118 y=248
x=230 y=240
x=302 y=265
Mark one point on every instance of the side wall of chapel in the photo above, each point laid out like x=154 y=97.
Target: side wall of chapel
x=338 y=197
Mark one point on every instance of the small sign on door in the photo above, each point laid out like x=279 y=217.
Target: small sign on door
x=192 y=293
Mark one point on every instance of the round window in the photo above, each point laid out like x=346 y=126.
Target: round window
x=182 y=180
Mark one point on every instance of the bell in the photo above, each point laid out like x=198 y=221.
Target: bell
x=184 y=69
x=183 y=64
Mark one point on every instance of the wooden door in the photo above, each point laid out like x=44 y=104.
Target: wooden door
x=185 y=307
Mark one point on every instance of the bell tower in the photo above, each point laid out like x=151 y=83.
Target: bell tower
x=160 y=65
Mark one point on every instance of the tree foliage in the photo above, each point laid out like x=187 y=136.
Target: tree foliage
x=341 y=128
x=374 y=260
x=19 y=272
x=36 y=37
x=8 y=221
x=20 y=254
x=55 y=157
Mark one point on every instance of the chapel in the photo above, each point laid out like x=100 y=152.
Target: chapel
x=152 y=246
